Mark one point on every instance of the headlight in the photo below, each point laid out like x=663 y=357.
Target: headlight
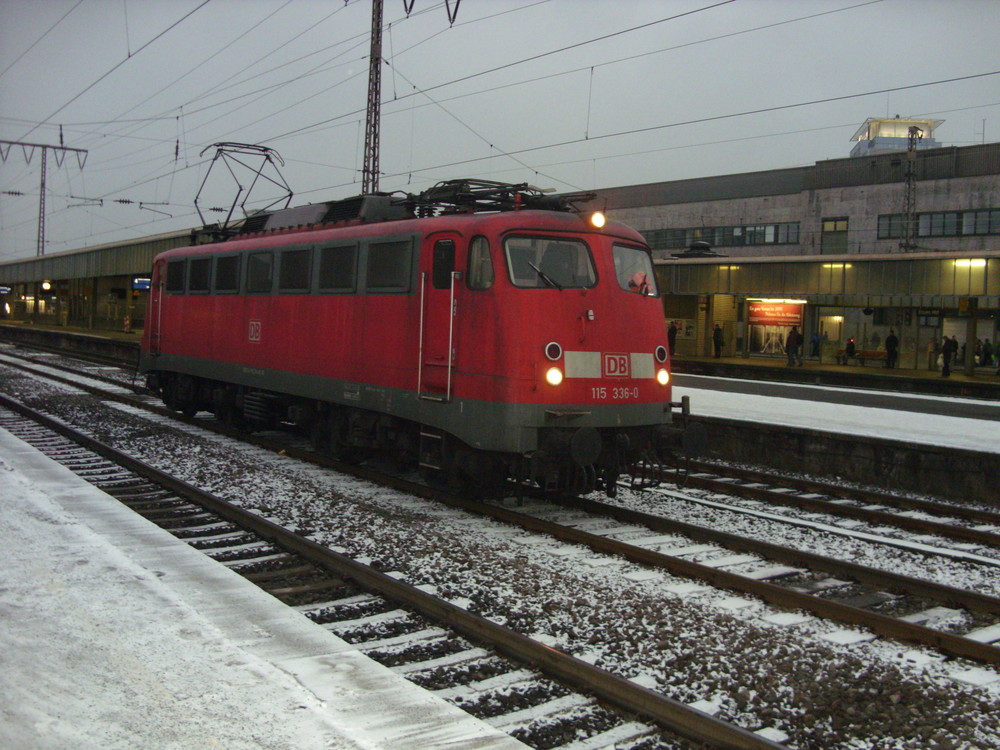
x=553 y=376
x=597 y=220
x=662 y=376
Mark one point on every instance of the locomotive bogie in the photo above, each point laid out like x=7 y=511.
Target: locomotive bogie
x=515 y=344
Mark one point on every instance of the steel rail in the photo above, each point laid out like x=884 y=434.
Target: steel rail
x=619 y=692
x=963 y=533
x=860 y=495
x=883 y=625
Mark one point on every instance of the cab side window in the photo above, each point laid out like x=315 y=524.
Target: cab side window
x=480 y=264
x=634 y=270
x=443 y=264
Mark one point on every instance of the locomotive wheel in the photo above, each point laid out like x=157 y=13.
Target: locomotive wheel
x=226 y=411
x=169 y=394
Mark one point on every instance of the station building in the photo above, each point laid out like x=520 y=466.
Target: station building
x=104 y=287
x=902 y=235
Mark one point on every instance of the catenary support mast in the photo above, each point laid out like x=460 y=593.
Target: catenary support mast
x=370 y=170
x=369 y=175
x=60 y=154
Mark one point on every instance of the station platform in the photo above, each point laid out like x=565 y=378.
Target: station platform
x=984 y=383
x=116 y=635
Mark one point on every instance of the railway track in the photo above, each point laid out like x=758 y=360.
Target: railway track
x=978 y=526
x=887 y=604
x=546 y=701
x=573 y=523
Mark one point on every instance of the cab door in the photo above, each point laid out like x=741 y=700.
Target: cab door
x=439 y=278
x=154 y=313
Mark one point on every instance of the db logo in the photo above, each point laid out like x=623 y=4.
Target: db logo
x=255 y=326
x=616 y=366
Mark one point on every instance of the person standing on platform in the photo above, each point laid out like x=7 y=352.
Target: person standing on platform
x=717 y=340
x=948 y=349
x=672 y=337
x=850 y=351
x=891 y=349
x=793 y=343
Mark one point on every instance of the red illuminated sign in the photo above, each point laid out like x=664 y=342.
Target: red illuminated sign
x=775 y=314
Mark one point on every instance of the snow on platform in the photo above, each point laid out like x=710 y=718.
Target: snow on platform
x=114 y=634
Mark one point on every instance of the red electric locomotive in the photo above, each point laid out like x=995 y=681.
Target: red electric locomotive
x=481 y=330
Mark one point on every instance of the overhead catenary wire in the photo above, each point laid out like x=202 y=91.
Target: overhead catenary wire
x=533 y=57
x=173 y=144
x=20 y=57
x=118 y=65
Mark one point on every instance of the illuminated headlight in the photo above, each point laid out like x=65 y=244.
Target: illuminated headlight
x=553 y=376
x=662 y=376
x=597 y=219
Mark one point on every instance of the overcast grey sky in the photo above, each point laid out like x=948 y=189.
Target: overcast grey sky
x=563 y=94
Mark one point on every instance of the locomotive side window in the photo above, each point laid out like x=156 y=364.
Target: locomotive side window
x=444 y=264
x=549 y=262
x=480 y=264
x=389 y=266
x=200 y=275
x=634 y=270
x=293 y=275
x=260 y=267
x=337 y=267
x=227 y=274
x=175 y=277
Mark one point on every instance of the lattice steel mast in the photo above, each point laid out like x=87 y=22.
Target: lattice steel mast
x=370 y=170
x=914 y=134
x=369 y=174
x=28 y=150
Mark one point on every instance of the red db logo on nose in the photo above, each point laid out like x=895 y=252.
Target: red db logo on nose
x=616 y=366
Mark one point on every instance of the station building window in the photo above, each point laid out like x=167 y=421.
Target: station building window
x=834 y=239
x=942 y=224
x=786 y=233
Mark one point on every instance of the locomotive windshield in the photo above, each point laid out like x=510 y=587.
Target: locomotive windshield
x=556 y=262
x=634 y=269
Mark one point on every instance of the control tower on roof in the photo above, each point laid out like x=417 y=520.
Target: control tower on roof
x=879 y=135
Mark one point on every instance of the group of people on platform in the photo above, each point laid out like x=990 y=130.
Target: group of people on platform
x=947 y=352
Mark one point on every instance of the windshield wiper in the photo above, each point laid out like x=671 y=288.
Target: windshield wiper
x=545 y=277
